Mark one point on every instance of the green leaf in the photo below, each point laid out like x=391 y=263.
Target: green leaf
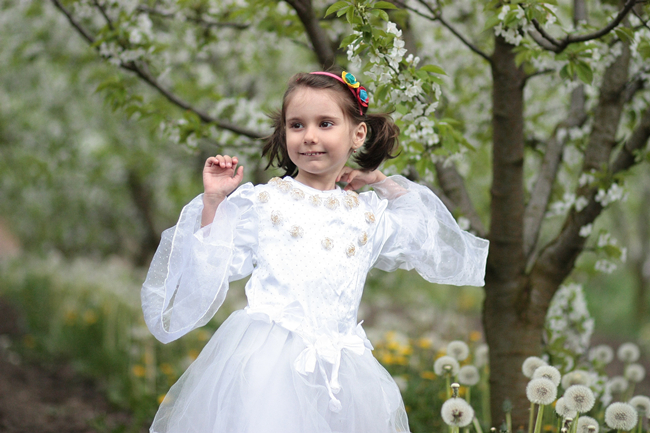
x=335 y=7
x=625 y=34
x=584 y=72
x=384 y=5
x=380 y=13
x=491 y=22
x=343 y=11
x=348 y=40
x=433 y=69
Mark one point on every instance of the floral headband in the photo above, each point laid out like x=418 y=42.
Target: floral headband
x=359 y=92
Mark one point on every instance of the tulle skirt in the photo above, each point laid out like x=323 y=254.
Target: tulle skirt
x=244 y=381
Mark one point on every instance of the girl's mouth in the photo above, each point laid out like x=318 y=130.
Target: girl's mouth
x=313 y=153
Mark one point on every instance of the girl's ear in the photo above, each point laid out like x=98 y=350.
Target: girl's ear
x=359 y=137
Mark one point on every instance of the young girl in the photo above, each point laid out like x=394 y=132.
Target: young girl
x=295 y=360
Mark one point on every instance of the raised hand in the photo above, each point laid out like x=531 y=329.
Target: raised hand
x=356 y=179
x=220 y=177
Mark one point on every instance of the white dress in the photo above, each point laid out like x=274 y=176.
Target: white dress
x=295 y=360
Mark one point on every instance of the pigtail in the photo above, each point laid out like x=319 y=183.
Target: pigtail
x=275 y=146
x=381 y=143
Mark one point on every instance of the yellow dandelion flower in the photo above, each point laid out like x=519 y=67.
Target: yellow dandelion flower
x=475 y=336
x=406 y=350
x=161 y=397
x=193 y=353
x=138 y=370
x=166 y=368
x=407 y=408
x=70 y=317
x=148 y=358
x=90 y=317
x=388 y=358
x=548 y=427
x=424 y=343
x=393 y=345
x=203 y=335
x=430 y=375
x=401 y=360
x=391 y=335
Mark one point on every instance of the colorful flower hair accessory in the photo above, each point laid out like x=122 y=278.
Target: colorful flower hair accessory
x=359 y=92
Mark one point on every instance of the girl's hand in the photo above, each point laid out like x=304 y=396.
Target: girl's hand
x=356 y=179
x=220 y=178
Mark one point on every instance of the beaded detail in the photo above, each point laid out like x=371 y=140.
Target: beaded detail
x=275 y=181
x=297 y=194
x=315 y=200
x=276 y=217
x=350 y=250
x=284 y=185
x=263 y=197
x=331 y=203
x=363 y=238
x=327 y=243
x=370 y=217
x=351 y=201
x=296 y=231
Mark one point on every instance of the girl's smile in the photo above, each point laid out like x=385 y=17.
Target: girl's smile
x=319 y=136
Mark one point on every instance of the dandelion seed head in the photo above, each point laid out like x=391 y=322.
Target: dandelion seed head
x=457 y=412
x=602 y=354
x=621 y=416
x=481 y=355
x=458 y=350
x=579 y=398
x=468 y=375
x=617 y=384
x=628 y=352
x=635 y=373
x=563 y=411
x=531 y=364
x=576 y=377
x=444 y=361
x=549 y=372
x=584 y=424
x=541 y=391
x=642 y=405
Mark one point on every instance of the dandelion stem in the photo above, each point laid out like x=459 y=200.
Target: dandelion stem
x=509 y=421
x=540 y=419
x=468 y=395
x=559 y=424
x=530 y=418
x=574 y=424
x=638 y=427
x=448 y=380
x=477 y=425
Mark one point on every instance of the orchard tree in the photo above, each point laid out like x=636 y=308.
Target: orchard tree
x=544 y=101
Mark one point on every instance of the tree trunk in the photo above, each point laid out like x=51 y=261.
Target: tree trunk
x=510 y=338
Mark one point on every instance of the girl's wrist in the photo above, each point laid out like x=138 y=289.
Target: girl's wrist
x=379 y=176
x=213 y=199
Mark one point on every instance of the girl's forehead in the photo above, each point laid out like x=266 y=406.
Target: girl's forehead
x=324 y=99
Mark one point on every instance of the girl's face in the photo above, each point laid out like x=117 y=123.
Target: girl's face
x=319 y=137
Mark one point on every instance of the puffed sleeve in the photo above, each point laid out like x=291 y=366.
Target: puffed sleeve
x=417 y=231
x=189 y=274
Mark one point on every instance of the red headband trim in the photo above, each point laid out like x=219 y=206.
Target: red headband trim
x=358 y=91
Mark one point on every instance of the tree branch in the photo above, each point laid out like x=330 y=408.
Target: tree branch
x=454 y=187
x=437 y=16
x=143 y=73
x=557 y=259
x=198 y=20
x=536 y=208
x=560 y=45
x=322 y=46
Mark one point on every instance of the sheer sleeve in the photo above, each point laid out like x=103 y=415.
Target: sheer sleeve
x=189 y=274
x=417 y=231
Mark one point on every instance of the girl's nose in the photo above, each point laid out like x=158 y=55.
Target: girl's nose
x=310 y=135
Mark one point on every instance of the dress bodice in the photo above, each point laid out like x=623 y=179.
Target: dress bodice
x=313 y=254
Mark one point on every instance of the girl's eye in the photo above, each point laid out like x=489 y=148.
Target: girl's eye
x=326 y=124
x=295 y=125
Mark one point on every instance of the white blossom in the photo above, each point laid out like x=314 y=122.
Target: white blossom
x=605 y=266
x=635 y=373
x=579 y=398
x=458 y=350
x=584 y=423
x=617 y=384
x=441 y=365
x=585 y=231
x=628 y=352
x=468 y=375
x=531 y=364
x=576 y=377
x=642 y=405
x=602 y=354
x=549 y=372
x=562 y=410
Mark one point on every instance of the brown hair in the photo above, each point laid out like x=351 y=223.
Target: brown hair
x=381 y=140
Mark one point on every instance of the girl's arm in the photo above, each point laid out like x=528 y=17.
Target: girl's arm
x=356 y=179
x=220 y=178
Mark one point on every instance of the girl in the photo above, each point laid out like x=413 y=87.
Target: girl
x=295 y=360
